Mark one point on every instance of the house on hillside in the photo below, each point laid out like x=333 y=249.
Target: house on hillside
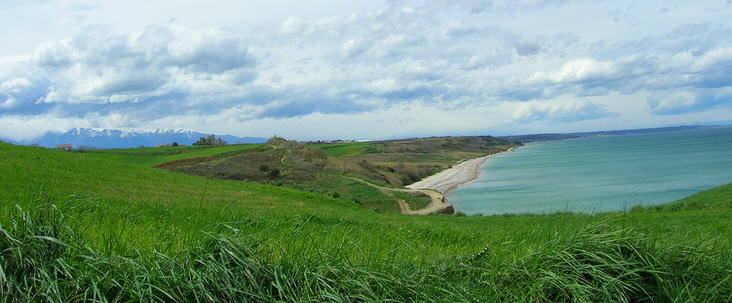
x=64 y=147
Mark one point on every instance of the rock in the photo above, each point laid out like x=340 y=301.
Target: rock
x=449 y=210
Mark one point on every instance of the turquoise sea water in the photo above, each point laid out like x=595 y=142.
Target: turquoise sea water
x=599 y=174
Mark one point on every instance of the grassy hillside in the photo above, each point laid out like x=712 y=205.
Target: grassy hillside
x=348 y=149
x=78 y=227
x=719 y=198
x=331 y=168
x=153 y=156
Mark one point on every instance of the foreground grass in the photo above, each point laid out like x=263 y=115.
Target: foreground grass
x=78 y=227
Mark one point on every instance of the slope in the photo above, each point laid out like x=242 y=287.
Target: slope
x=93 y=225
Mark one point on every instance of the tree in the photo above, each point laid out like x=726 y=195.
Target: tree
x=175 y=143
x=210 y=140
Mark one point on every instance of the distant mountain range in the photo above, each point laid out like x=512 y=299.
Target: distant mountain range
x=113 y=138
x=564 y=136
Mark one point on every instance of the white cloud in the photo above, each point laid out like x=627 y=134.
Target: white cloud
x=292 y=25
x=53 y=54
x=676 y=102
x=560 y=112
x=110 y=68
x=354 y=47
x=582 y=69
x=429 y=54
x=673 y=101
x=21 y=94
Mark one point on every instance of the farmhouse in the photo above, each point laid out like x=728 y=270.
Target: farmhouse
x=63 y=147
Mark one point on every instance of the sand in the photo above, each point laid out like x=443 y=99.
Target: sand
x=453 y=177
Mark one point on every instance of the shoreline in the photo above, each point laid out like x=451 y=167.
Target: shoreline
x=450 y=179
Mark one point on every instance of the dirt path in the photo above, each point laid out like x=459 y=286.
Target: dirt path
x=437 y=204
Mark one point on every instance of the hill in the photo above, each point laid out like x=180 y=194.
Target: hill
x=108 y=227
x=368 y=173
x=112 y=138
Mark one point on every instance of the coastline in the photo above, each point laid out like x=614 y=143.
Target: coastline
x=452 y=178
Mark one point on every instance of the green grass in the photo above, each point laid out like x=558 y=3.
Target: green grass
x=340 y=150
x=414 y=200
x=152 y=156
x=353 y=190
x=80 y=227
x=719 y=198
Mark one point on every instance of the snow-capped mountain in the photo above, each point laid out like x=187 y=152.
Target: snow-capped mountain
x=113 y=138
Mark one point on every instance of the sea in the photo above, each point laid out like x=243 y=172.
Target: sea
x=599 y=174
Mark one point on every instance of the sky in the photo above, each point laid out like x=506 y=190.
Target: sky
x=362 y=70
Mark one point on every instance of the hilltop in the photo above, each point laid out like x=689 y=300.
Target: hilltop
x=108 y=226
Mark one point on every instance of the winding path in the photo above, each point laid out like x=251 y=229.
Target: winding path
x=437 y=204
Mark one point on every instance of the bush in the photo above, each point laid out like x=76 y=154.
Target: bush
x=210 y=140
x=314 y=154
x=276 y=141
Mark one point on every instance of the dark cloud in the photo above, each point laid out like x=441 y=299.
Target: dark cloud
x=527 y=48
x=516 y=93
x=314 y=104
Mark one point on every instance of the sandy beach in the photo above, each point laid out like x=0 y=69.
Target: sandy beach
x=453 y=177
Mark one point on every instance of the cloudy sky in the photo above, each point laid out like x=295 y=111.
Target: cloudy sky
x=363 y=69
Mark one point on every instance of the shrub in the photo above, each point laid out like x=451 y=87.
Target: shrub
x=311 y=154
x=210 y=140
x=276 y=141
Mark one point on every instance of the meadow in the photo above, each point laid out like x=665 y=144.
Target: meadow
x=109 y=227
